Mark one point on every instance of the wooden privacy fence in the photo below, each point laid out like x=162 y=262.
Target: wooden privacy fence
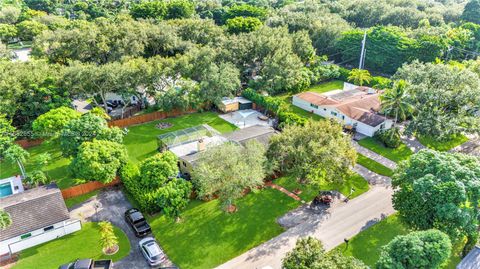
x=148 y=117
x=86 y=188
x=27 y=143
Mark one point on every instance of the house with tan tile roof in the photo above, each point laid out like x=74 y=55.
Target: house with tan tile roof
x=354 y=106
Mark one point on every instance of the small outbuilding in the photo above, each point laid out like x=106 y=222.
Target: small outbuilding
x=234 y=104
x=472 y=260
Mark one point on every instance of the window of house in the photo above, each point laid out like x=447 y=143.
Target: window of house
x=343 y=117
x=314 y=106
x=382 y=126
x=49 y=228
x=184 y=164
x=333 y=113
x=23 y=236
x=324 y=109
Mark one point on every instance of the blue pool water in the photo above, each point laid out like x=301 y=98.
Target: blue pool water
x=5 y=189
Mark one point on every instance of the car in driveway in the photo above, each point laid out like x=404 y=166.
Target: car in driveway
x=88 y=264
x=152 y=251
x=137 y=221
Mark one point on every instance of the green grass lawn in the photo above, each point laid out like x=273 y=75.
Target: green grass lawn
x=57 y=169
x=320 y=88
x=80 y=199
x=373 y=166
x=309 y=192
x=141 y=142
x=206 y=236
x=398 y=154
x=446 y=145
x=367 y=245
x=79 y=245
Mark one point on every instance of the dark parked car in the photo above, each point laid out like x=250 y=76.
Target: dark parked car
x=88 y=264
x=152 y=251
x=138 y=223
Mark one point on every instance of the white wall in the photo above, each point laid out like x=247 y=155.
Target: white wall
x=326 y=112
x=39 y=236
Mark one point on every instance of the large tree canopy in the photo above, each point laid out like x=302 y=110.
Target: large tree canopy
x=441 y=191
x=445 y=98
x=317 y=153
x=50 y=124
x=227 y=170
x=424 y=249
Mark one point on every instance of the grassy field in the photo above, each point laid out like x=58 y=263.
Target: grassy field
x=309 y=192
x=373 y=165
x=206 y=236
x=446 y=145
x=367 y=245
x=398 y=154
x=79 y=245
x=320 y=88
x=141 y=142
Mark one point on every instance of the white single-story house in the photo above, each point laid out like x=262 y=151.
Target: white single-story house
x=189 y=153
x=38 y=215
x=472 y=260
x=353 y=106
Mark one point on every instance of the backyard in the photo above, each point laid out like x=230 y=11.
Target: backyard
x=395 y=154
x=141 y=142
x=79 y=245
x=206 y=236
x=367 y=245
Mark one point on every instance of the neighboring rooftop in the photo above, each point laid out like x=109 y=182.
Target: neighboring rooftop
x=189 y=150
x=359 y=103
x=472 y=260
x=260 y=133
x=33 y=209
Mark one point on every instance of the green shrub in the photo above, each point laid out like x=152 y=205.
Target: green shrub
x=37 y=178
x=390 y=138
x=288 y=118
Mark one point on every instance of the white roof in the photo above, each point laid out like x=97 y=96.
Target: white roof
x=241 y=100
x=192 y=147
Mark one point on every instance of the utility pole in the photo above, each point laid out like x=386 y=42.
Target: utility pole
x=361 y=65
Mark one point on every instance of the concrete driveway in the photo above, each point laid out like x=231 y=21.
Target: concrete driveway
x=112 y=205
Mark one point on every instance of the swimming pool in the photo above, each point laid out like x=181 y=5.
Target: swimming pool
x=6 y=189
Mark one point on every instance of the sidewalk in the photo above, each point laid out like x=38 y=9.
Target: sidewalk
x=374 y=156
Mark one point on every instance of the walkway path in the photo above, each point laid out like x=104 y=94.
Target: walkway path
x=344 y=221
x=282 y=189
x=372 y=177
x=413 y=143
x=374 y=156
x=471 y=147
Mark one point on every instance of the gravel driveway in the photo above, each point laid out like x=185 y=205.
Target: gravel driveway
x=112 y=206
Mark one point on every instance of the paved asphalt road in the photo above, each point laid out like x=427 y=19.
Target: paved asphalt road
x=344 y=221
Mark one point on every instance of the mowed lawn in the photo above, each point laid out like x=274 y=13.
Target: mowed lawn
x=367 y=245
x=141 y=142
x=206 y=236
x=446 y=145
x=373 y=165
x=320 y=88
x=82 y=244
x=355 y=181
x=395 y=154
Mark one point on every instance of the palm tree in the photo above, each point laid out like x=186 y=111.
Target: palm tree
x=5 y=220
x=359 y=76
x=108 y=239
x=395 y=101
